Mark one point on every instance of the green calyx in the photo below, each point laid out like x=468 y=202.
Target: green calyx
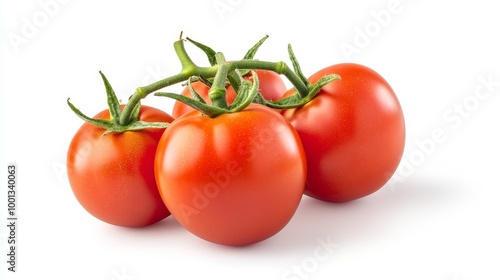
x=113 y=125
x=296 y=100
x=299 y=98
x=247 y=92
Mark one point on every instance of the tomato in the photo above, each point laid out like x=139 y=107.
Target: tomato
x=112 y=175
x=271 y=86
x=235 y=179
x=353 y=133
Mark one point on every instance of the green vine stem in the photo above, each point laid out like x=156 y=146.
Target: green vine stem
x=112 y=125
x=189 y=69
x=217 y=75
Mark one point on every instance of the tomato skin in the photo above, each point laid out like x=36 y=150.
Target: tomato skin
x=112 y=176
x=353 y=133
x=235 y=179
x=271 y=86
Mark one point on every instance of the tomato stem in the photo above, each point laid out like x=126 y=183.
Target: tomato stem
x=217 y=92
x=221 y=71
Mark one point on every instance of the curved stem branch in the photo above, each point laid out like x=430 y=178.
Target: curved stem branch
x=278 y=67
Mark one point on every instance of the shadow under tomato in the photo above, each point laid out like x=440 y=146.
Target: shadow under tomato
x=365 y=218
x=169 y=224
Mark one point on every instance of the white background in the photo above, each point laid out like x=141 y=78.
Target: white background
x=439 y=219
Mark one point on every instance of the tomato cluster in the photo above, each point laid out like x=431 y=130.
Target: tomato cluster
x=237 y=177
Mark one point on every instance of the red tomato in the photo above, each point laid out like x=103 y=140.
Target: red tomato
x=235 y=179
x=271 y=86
x=353 y=133
x=112 y=175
